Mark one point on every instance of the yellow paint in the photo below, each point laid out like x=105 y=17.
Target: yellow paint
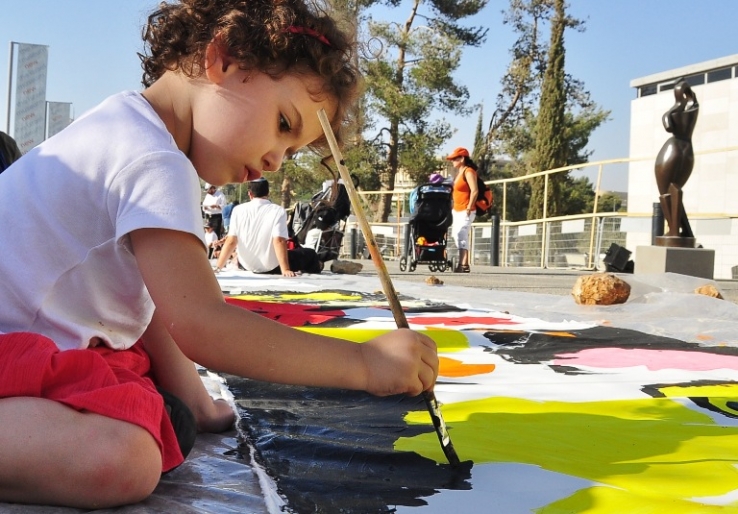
x=716 y=390
x=650 y=451
x=317 y=296
x=446 y=340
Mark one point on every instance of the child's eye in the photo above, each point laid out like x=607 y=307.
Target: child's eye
x=284 y=124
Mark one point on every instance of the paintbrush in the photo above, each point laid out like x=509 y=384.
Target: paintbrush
x=389 y=290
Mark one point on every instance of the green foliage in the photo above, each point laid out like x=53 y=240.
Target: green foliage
x=609 y=202
x=517 y=193
x=410 y=79
x=544 y=117
x=579 y=195
x=550 y=149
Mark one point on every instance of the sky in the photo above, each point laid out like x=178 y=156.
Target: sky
x=93 y=46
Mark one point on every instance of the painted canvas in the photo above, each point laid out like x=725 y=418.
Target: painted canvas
x=567 y=416
x=552 y=407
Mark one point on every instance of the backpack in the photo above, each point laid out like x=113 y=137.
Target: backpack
x=484 y=196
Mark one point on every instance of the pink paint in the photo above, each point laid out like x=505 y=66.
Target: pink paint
x=654 y=360
x=453 y=321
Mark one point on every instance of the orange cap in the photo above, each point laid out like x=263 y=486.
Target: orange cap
x=459 y=152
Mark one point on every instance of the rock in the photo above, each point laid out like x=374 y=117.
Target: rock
x=600 y=289
x=346 y=267
x=434 y=281
x=709 y=290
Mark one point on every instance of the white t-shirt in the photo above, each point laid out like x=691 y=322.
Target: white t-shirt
x=210 y=237
x=255 y=224
x=75 y=198
x=215 y=202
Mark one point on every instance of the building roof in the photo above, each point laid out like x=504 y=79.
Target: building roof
x=691 y=69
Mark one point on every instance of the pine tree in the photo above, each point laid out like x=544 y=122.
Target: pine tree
x=550 y=144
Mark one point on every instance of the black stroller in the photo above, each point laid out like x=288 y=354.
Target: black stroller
x=425 y=235
x=320 y=223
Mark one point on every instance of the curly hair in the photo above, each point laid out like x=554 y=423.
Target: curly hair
x=275 y=37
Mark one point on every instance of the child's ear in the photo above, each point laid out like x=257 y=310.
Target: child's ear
x=218 y=64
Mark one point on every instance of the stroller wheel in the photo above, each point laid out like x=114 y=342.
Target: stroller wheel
x=432 y=268
x=412 y=266
x=403 y=263
x=442 y=266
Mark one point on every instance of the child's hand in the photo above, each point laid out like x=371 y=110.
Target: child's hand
x=398 y=362
x=216 y=417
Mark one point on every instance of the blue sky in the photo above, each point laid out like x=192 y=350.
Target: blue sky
x=93 y=45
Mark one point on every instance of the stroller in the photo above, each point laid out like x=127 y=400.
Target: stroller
x=425 y=235
x=321 y=223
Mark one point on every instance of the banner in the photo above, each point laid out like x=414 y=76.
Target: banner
x=59 y=116
x=30 y=95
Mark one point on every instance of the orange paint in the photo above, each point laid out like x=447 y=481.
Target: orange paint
x=455 y=369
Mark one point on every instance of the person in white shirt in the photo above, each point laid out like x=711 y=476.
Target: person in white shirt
x=212 y=208
x=258 y=233
x=211 y=238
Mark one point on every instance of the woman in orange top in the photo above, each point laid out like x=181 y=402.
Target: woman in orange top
x=464 y=198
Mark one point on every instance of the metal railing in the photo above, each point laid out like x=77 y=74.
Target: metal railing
x=577 y=241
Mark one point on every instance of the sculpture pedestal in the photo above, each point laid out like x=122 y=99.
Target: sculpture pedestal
x=694 y=262
x=676 y=241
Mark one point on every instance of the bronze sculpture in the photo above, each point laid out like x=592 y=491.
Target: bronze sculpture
x=674 y=165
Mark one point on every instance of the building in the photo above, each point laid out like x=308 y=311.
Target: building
x=711 y=193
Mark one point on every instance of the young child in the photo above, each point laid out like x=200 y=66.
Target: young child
x=111 y=294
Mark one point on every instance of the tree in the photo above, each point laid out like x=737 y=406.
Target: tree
x=409 y=79
x=550 y=149
x=520 y=84
x=609 y=202
x=544 y=117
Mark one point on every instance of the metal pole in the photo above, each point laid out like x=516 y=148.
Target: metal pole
x=505 y=243
x=591 y=263
x=544 y=227
x=657 y=223
x=353 y=243
x=10 y=88
x=495 y=241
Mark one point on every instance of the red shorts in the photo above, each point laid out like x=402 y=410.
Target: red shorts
x=107 y=382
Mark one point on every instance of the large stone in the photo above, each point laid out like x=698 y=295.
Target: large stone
x=346 y=267
x=600 y=289
x=709 y=290
x=434 y=281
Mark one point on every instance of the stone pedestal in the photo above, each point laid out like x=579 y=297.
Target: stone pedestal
x=694 y=262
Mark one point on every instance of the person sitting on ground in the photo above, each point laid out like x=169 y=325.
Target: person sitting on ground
x=101 y=323
x=211 y=238
x=227 y=210
x=258 y=232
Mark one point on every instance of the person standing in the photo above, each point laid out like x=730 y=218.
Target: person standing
x=212 y=208
x=464 y=196
x=258 y=233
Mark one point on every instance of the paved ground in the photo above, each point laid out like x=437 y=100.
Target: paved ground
x=528 y=280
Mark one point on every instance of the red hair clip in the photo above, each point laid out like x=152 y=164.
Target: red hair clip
x=308 y=32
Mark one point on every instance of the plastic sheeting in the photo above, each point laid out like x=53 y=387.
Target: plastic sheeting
x=561 y=408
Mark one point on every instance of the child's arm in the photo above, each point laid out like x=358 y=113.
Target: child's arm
x=230 y=339
x=176 y=374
